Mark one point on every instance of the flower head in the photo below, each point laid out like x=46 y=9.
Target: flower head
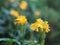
x=14 y=13
x=21 y=20
x=23 y=5
x=46 y=26
x=34 y=26
x=37 y=24
x=40 y=23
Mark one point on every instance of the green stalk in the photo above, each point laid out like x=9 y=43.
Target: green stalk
x=23 y=31
x=42 y=36
x=42 y=42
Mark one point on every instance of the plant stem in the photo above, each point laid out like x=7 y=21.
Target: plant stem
x=23 y=31
x=43 y=35
x=42 y=42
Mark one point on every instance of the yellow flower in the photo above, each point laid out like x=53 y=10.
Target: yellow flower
x=40 y=23
x=39 y=20
x=46 y=26
x=21 y=20
x=14 y=13
x=34 y=26
x=23 y=5
x=37 y=24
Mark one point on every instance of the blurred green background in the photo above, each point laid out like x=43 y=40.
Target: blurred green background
x=49 y=9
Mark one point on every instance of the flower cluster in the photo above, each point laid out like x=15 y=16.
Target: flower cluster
x=22 y=19
x=42 y=24
x=19 y=18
